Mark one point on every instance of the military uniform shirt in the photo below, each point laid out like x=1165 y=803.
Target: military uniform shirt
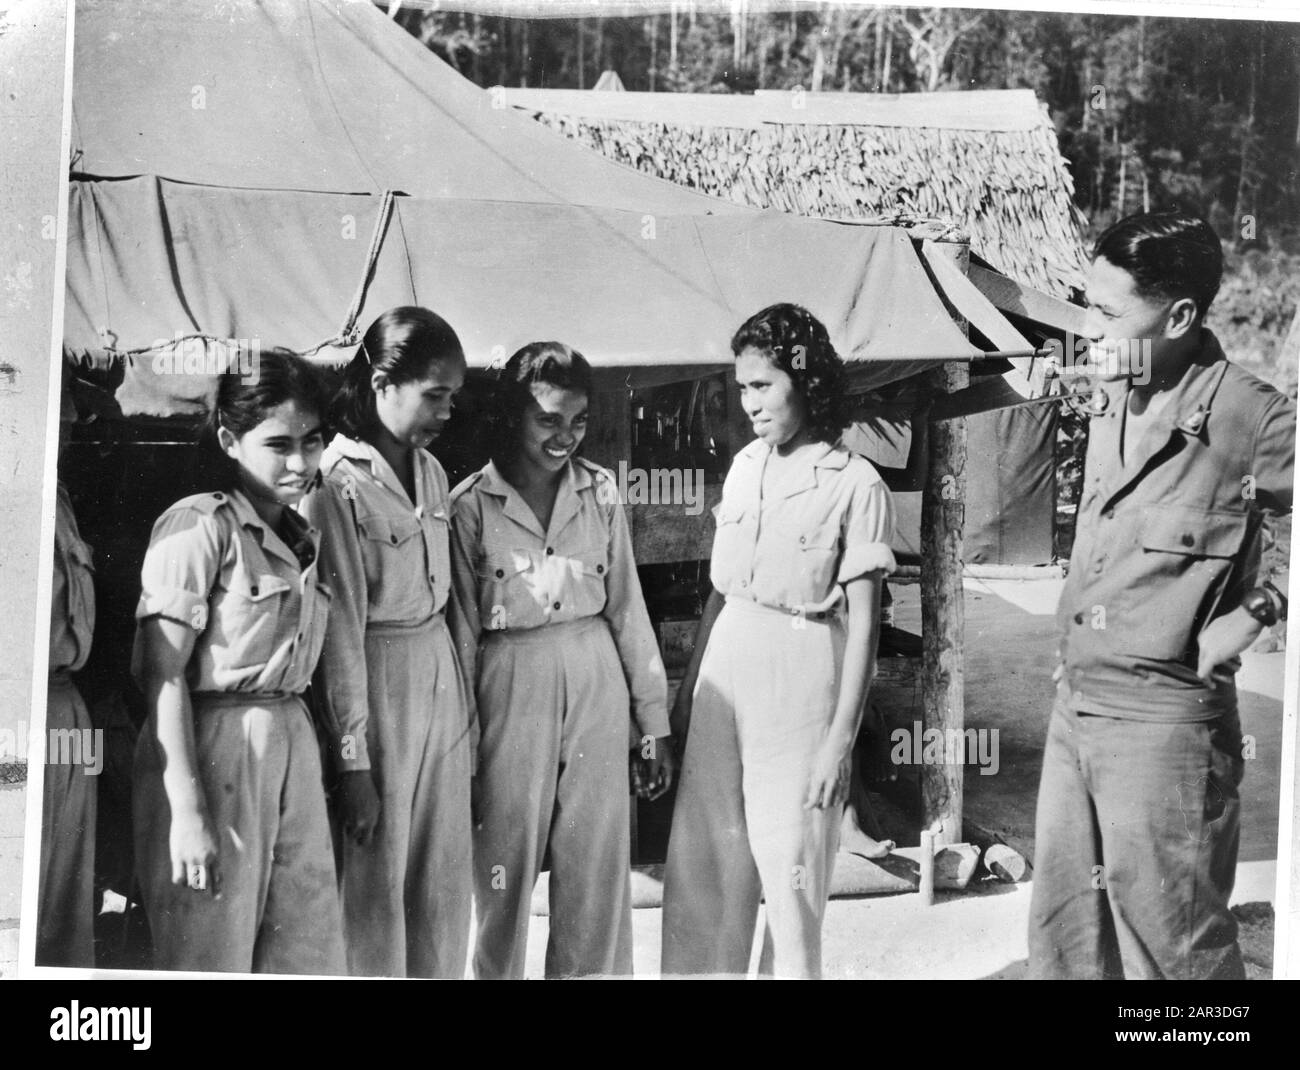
x=511 y=575
x=1170 y=540
x=831 y=524
x=259 y=615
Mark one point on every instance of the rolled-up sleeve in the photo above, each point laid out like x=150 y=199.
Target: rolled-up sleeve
x=1273 y=466
x=180 y=568
x=342 y=687
x=868 y=532
x=463 y=618
x=634 y=636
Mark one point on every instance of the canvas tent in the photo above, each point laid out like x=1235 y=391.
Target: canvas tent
x=987 y=161
x=286 y=170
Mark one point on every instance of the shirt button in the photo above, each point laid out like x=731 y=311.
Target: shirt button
x=555 y=605
x=802 y=539
x=300 y=637
x=1078 y=618
x=1098 y=566
x=1188 y=539
x=600 y=570
x=392 y=539
x=744 y=583
x=219 y=496
x=500 y=572
x=253 y=589
x=550 y=550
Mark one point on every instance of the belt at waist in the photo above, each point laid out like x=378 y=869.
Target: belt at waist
x=748 y=605
x=223 y=699
x=438 y=620
x=564 y=631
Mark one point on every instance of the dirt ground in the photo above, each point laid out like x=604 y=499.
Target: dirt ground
x=981 y=933
x=1010 y=653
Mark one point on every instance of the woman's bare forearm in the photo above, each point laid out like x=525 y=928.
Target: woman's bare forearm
x=859 y=659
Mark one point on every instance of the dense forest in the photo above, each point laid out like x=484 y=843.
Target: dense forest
x=1151 y=112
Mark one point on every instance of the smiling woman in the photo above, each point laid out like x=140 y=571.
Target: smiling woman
x=558 y=645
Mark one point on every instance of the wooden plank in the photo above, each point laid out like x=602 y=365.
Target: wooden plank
x=1028 y=376
x=669 y=532
x=1021 y=300
x=942 y=600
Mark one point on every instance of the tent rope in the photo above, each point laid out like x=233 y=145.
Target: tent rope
x=347 y=334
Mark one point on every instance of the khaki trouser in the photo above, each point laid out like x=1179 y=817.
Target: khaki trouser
x=407 y=894
x=1135 y=849
x=278 y=911
x=766 y=693
x=66 y=908
x=553 y=771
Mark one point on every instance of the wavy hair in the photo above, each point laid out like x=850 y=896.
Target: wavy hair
x=796 y=341
x=1168 y=254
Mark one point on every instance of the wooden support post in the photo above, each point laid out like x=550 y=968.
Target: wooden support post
x=942 y=609
x=926 y=883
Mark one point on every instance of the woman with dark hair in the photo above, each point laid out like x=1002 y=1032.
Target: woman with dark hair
x=784 y=654
x=558 y=644
x=232 y=838
x=390 y=693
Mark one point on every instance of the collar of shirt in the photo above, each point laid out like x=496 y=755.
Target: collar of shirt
x=380 y=470
x=1187 y=411
x=576 y=478
x=268 y=537
x=811 y=457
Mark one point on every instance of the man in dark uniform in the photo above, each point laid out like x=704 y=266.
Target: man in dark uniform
x=1137 y=823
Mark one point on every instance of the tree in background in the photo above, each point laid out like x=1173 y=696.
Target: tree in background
x=1152 y=113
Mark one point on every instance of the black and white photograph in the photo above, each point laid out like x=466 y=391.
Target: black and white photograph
x=652 y=489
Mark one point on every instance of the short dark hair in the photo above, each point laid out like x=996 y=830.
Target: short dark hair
x=797 y=342
x=243 y=402
x=551 y=363
x=403 y=343
x=1168 y=254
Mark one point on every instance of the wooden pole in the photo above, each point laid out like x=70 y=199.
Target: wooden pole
x=943 y=619
x=672 y=41
x=654 y=48
x=926 y=861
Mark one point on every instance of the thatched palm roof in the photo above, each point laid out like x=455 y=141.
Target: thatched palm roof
x=985 y=161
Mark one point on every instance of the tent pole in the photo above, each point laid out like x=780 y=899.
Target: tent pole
x=942 y=608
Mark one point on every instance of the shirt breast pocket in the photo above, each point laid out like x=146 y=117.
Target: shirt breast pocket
x=816 y=559
x=733 y=547
x=394 y=559
x=587 y=570
x=505 y=588
x=1186 y=556
x=251 y=618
